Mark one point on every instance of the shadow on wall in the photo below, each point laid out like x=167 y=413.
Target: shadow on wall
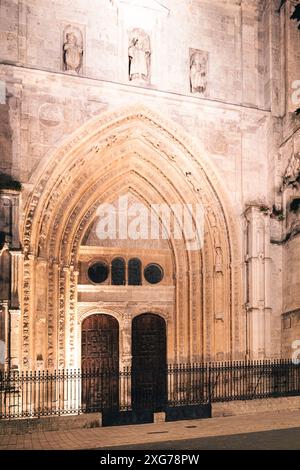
x=6 y=223
x=2 y=353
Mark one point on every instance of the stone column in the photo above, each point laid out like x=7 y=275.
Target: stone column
x=28 y=307
x=9 y=336
x=71 y=279
x=40 y=314
x=4 y=338
x=16 y=272
x=53 y=282
x=125 y=341
x=63 y=316
x=125 y=358
x=15 y=319
x=73 y=353
x=258 y=280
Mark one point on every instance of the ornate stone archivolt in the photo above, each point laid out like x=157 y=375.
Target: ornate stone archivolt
x=137 y=151
x=86 y=311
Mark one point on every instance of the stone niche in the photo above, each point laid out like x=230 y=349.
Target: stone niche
x=72 y=49
x=139 y=56
x=198 y=62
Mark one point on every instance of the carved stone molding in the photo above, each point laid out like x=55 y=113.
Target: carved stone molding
x=99 y=307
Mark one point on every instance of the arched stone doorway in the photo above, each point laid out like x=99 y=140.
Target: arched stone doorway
x=149 y=362
x=100 y=362
x=139 y=152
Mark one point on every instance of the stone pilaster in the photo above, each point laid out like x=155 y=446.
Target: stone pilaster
x=125 y=340
x=258 y=305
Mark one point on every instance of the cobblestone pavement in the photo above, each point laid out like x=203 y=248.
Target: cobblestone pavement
x=117 y=436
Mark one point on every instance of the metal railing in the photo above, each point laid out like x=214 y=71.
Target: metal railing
x=64 y=392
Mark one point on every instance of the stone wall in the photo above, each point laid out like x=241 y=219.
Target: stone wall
x=231 y=117
x=32 y=33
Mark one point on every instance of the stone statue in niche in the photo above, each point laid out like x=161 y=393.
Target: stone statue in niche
x=198 y=71
x=72 y=51
x=139 y=53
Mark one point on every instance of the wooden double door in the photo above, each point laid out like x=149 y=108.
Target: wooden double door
x=100 y=363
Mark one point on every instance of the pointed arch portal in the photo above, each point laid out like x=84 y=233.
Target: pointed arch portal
x=138 y=151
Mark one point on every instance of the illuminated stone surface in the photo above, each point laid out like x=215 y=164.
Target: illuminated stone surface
x=77 y=132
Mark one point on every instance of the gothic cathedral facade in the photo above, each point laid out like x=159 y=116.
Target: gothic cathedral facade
x=133 y=105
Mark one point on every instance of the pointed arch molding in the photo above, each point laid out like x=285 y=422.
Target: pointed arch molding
x=136 y=150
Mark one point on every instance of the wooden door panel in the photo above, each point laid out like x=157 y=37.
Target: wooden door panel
x=100 y=362
x=149 y=362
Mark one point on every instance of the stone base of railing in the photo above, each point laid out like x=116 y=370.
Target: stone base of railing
x=50 y=423
x=241 y=407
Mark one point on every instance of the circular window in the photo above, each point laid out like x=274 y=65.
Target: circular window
x=98 y=272
x=153 y=273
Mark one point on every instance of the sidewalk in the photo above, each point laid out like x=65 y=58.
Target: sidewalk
x=146 y=433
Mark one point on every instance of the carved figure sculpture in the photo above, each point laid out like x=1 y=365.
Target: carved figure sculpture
x=139 y=56
x=72 y=53
x=198 y=72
